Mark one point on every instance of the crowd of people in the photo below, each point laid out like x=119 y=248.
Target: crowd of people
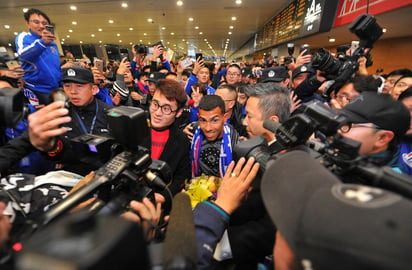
x=197 y=116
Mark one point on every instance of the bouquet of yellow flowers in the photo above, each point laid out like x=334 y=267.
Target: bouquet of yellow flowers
x=202 y=188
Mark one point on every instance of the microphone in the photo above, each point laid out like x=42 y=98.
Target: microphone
x=271 y=125
x=180 y=246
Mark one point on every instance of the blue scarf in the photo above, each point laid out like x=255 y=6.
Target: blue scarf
x=225 y=151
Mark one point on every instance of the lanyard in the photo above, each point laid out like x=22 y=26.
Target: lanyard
x=93 y=121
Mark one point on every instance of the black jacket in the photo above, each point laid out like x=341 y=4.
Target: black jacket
x=77 y=157
x=176 y=155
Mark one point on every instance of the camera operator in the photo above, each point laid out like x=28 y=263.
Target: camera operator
x=38 y=47
x=377 y=122
x=333 y=225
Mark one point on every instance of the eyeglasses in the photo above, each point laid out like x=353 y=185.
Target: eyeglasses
x=39 y=22
x=346 y=128
x=166 y=109
x=233 y=74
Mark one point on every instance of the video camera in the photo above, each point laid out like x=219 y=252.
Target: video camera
x=368 y=31
x=339 y=154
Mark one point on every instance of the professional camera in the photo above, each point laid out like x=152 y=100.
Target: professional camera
x=339 y=154
x=368 y=31
x=141 y=49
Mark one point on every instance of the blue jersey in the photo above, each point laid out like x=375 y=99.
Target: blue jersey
x=47 y=74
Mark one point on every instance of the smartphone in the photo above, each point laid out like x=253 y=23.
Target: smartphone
x=305 y=47
x=50 y=28
x=124 y=53
x=354 y=46
x=12 y=64
x=99 y=64
x=199 y=55
x=186 y=63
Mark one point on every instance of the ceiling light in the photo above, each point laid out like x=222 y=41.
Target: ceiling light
x=70 y=30
x=100 y=41
x=73 y=7
x=15 y=33
x=7 y=26
x=331 y=40
x=118 y=34
x=200 y=33
x=74 y=22
x=149 y=43
x=120 y=41
x=111 y=21
x=63 y=39
x=125 y=5
x=384 y=30
x=131 y=43
x=179 y=3
x=149 y=20
x=62 y=42
x=9 y=44
x=131 y=28
x=183 y=40
x=81 y=42
x=144 y=34
x=92 y=35
x=229 y=33
x=231 y=27
x=68 y=36
x=205 y=39
x=100 y=29
x=238 y=2
x=163 y=28
x=25 y=10
x=168 y=42
x=140 y=40
x=196 y=27
x=172 y=33
x=191 y=19
x=233 y=18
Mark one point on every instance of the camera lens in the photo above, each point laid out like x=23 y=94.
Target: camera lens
x=323 y=60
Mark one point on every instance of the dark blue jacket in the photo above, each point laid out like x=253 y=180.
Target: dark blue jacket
x=45 y=57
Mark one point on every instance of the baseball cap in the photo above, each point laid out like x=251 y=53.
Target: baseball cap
x=77 y=74
x=379 y=109
x=332 y=225
x=274 y=74
x=156 y=76
x=302 y=69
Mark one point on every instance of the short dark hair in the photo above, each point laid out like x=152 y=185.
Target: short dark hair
x=32 y=11
x=403 y=77
x=209 y=102
x=363 y=83
x=231 y=88
x=173 y=91
x=273 y=99
x=234 y=65
x=401 y=72
x=186 y=72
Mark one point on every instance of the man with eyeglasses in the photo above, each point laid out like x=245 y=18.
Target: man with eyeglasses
x=40 y=55
x=167 y=142
x=377 y=122
x=233 y=74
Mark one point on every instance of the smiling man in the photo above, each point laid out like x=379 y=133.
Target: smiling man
x=38 y=47
x=213 y=140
